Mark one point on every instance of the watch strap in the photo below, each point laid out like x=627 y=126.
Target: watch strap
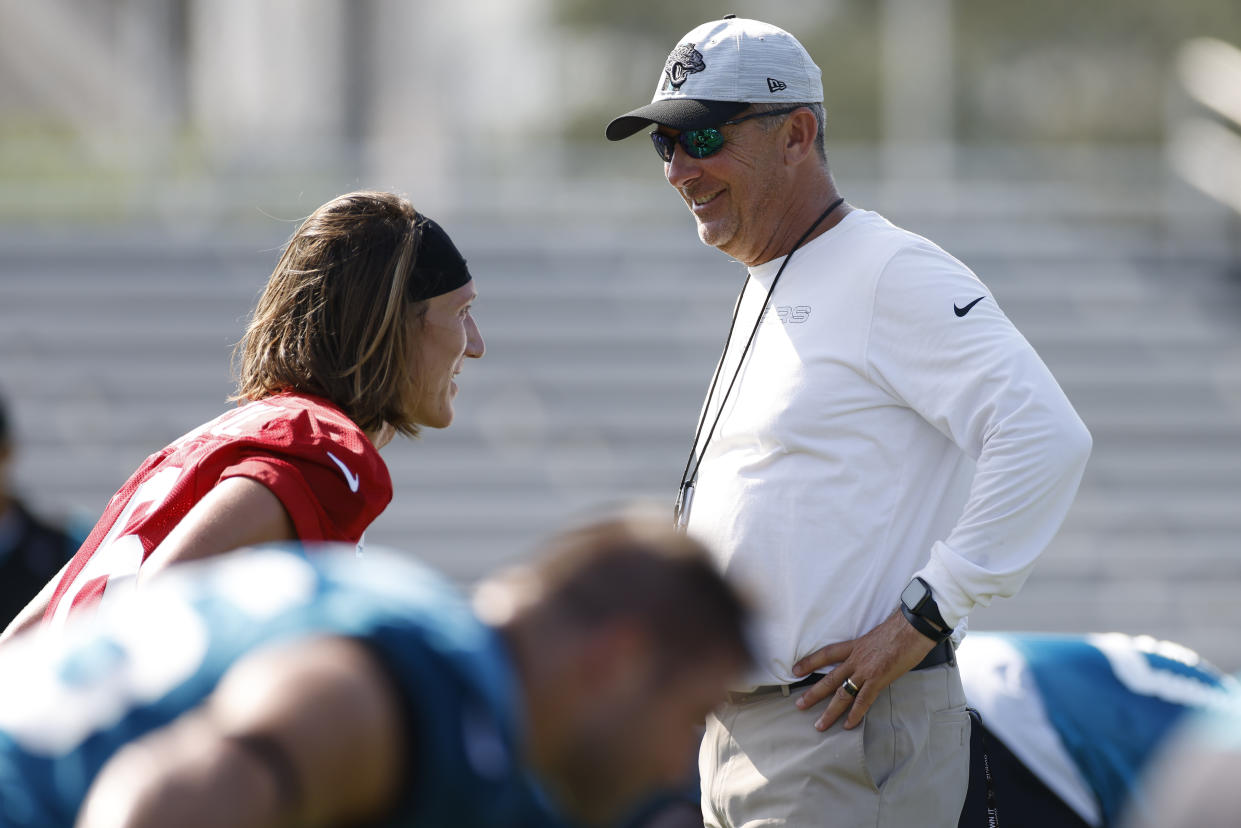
x=930 y=610
x=923 y=626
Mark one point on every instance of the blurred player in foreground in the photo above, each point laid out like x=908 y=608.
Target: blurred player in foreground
x=1069 y=722
x=271 y=687
x=358 y=335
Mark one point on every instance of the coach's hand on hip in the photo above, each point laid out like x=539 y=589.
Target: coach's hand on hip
x=865 y=666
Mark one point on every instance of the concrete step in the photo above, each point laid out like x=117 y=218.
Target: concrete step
x=1096 y=511
x=1201 y=613
x=1185 y=555
x=601 y=339
x=679 y=373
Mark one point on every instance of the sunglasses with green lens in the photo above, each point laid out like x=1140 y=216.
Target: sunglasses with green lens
x=700 y=143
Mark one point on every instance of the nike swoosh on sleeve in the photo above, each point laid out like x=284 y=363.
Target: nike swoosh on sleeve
x=350 y=478
x=966 y=309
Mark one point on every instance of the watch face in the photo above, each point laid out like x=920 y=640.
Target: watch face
x=914 y=594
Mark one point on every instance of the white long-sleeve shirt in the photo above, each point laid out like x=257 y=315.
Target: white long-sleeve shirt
x=875 y=433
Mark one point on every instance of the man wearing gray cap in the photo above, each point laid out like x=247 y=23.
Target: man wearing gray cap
x=880 y=451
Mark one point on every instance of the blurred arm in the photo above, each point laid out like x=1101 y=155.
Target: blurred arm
x=325 y=707
x=237 y=512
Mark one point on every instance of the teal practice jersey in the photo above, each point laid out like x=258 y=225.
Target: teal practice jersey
x=1086 y=712
x=69 y=701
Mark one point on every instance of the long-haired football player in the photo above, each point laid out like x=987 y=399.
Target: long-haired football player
x=358 y=335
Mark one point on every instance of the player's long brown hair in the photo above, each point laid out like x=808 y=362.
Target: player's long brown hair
x=335 y=320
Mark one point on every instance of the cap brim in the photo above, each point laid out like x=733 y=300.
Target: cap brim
x=674 y=113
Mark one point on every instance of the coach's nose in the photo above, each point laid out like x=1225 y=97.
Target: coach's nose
x=682 y=169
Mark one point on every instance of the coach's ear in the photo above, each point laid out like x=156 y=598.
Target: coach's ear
x=800 y=132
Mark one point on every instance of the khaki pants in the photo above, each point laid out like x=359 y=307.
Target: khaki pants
x=906 y=766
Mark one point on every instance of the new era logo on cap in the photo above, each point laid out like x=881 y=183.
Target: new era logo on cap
x=776 y=85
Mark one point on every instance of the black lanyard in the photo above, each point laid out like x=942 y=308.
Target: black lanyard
x=685 y=495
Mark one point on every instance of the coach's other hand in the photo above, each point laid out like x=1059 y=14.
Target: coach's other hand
x=872 y=662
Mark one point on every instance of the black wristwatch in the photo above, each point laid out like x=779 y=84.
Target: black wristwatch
x=919 y=608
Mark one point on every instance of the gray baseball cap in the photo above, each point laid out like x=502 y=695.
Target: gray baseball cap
x=719 y=69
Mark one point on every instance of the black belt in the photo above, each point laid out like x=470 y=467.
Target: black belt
x=941 y=653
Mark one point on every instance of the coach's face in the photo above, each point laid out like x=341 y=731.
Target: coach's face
x=448 y=335
x=735 y=194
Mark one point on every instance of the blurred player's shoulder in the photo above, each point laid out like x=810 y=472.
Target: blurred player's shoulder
x=139 y=661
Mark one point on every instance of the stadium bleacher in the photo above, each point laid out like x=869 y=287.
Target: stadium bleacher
x=600 y=343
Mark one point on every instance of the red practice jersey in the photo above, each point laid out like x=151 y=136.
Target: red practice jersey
x=323 y=468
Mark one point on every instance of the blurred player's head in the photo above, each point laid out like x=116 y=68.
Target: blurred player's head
x=1192 y=780
x=626 y=636
x=368 y=307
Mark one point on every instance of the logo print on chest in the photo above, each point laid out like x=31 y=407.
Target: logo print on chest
x=790 y=314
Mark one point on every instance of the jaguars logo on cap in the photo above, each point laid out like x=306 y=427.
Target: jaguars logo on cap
x=683 y=62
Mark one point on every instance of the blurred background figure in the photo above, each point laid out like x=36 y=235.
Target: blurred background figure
x=154 y=154
x=32 y=550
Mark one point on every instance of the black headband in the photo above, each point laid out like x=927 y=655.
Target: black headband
x=438 y=267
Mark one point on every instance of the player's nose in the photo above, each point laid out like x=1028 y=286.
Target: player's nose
x=474 y=345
